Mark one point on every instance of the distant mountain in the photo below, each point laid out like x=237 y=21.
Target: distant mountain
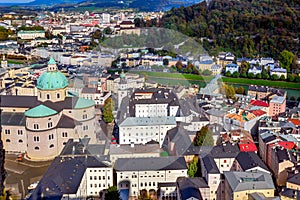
x=51 y=2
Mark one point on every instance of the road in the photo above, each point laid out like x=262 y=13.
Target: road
x=21 y=174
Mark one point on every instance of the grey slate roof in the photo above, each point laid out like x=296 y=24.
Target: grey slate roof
x=67 y=122
x=150 y=164
x=226 y=150
x=144 y=121
x=18 y=101
x=250 y=160
x=294 y=179
x=240 y=181
x=189 y=187
x=210 y=165
x=64 y=176
x=13 y=119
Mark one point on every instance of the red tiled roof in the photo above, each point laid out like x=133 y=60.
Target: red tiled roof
x=246 y=147
x=286 y=145
x=258 y=113
x=296 y=122
x=259 y=103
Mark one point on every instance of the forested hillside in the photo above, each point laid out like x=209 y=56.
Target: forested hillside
x=245 y=27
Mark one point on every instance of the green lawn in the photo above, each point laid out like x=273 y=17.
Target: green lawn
x=194 y=79
x=175 y=76
x=279 y=84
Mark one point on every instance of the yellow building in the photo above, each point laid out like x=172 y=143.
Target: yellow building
x=239 y=185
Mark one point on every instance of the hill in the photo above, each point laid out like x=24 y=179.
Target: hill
x=247 y=28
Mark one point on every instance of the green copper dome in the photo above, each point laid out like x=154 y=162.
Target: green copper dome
x=52 y=81
x=40 y=111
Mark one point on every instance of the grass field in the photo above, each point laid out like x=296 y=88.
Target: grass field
x=194 y=79
x=278 y=84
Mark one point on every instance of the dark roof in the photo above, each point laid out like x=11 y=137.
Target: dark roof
x=159 y=96
x=64 y=176
x=157 y=163
x=295 y=179
x=210 y=165
x=283 y=155
x=287 y=192
x=189 y=187
x=13 y=119
x=67 y=122
x=250 y=160
x=226 y=150
x=166 y=184
x=18 y=101
x=269 y=139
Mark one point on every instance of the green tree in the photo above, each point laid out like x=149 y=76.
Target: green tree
x=204 y=137
x=112 y=193
x=235 y=74
x=206 y=72
x=228 y=74
x=275 y=77
x=282 y=78
x=165 y=62
x=107 y=31
x=286 y=59
x=291 y=77
x=251 y=76
x=258 y=76
x=193 y=167
x=108 y=109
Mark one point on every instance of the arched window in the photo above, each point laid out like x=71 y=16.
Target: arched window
x=20 y=141
x=48 y=96
x=37 y=148
x=58 y=95
x=7 y=140
x=51 y=146
x=64 y=143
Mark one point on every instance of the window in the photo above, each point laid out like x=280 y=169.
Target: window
x=84 y=116
x=36 y=138
x=51 y=146
x=85 y=127
x=50 y=124
x=20 y=141
x=95 y=177
x=7 y=132
x=64 y=134
x=64 y=143
x=58 y=95
x=51 y=137
x=7 y=140
x=20 y=132
x=48 y=96
x=91 y=178
x=37 y=148
x=35 y=126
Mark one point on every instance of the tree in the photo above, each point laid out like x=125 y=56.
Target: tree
x=228 y=74
x=204 y=137
x=108 y=109
x=235 y=74
x=97 y=35
x=107 y=31
x=291 y=77
x=165 y=62
x=282 y=78
x=275 y=77
x=240 y=90
x=251 y=75
x=292 y=98
x=207 y=72
x=179 y=65
x=112 y=193
x=258 y=76
x=286 y=59
x=244 y=75
x=193 y=167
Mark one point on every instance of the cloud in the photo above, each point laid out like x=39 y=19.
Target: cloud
x=15 y=1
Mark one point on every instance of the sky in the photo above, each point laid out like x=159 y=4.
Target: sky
x=15 y=1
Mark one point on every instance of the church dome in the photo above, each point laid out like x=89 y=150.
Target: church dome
x=52 y=79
